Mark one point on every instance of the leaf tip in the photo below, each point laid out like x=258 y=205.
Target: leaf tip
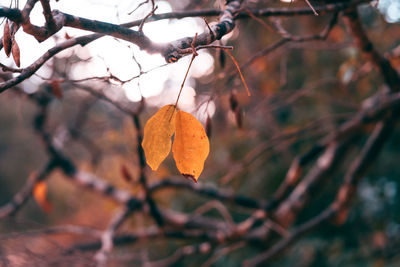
x=154 y=167
x=190 y=177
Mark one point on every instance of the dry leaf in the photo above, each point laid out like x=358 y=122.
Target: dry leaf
x=40 y=195
x=191 y=145
x=126 y=174
x=16 y=53
x=7 y=43
x=208 y=126
x=235 y=108
x=221 y=58
x=157 y=136
x=238 y=118
x=233 y=101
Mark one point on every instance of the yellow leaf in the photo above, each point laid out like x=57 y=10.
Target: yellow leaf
x=40 y=195
x=191 y=146
x=157 y=136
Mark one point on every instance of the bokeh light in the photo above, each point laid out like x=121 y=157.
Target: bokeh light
x=109 y=55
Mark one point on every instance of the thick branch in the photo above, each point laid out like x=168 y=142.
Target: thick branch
x=262 y=12
x=29 y=71
x=50 y=22
x=136 y=37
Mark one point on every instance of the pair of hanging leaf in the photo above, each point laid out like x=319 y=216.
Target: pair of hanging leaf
x=190 y=148
x=10 y=44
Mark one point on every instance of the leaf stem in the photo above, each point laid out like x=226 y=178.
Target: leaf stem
x=187 y=72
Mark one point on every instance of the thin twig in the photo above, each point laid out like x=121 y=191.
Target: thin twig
x=312 y=8
x=240 y=73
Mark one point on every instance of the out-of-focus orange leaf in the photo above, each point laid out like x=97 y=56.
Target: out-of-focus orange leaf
x=191 y=145
x=337 y=35
x=40 y=195
x=157 y=136
x=395 y=61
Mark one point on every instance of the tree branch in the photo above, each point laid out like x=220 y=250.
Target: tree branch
x=26 y=192
x=362 y=42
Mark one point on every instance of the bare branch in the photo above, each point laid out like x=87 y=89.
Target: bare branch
x=363 y=43
x=50 y=22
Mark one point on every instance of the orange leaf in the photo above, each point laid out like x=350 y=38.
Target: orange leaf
x=157 y=136
x=191 y=145
x=40 y=195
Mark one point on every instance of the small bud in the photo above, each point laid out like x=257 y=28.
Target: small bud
x=234 y=105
